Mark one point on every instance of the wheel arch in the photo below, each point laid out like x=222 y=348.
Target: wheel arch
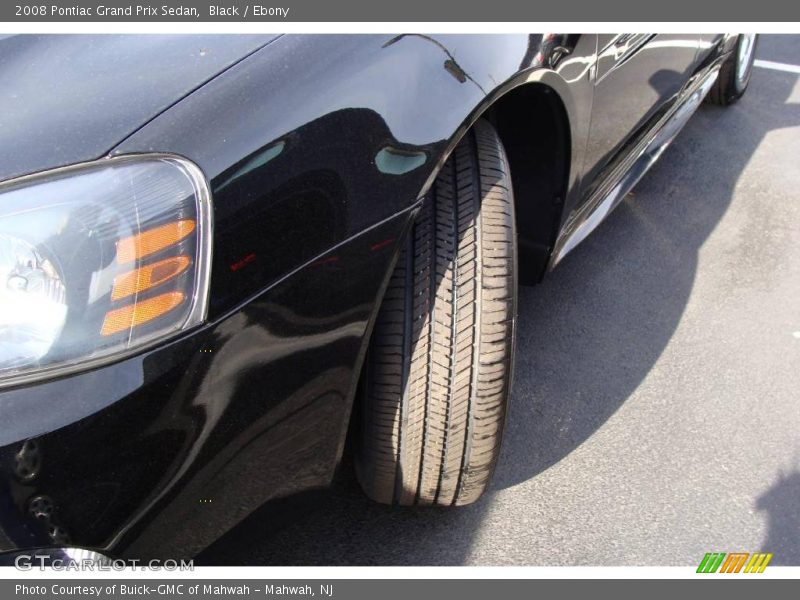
x=532 y=115
x=534 y=126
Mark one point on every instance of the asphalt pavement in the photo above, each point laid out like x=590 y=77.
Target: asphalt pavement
x=655 y=414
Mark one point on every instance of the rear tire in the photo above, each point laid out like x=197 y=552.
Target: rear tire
x=734 y=75
x=438 y=372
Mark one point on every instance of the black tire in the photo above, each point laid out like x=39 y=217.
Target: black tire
x=438 y=372
x=732 y=82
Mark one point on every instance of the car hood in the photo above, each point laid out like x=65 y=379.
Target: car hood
x=71 y=98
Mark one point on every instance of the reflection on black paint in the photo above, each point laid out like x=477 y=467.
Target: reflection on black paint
x=292 y=201
x=396 y=161
x=257 y=160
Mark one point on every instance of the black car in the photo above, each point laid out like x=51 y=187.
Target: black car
x=222 y=257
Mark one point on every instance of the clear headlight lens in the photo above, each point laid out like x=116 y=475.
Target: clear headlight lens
x=100 y=260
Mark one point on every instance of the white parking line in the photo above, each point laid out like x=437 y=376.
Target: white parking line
x=776 y=66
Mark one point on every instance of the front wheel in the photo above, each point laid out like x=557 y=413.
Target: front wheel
x=438 y=371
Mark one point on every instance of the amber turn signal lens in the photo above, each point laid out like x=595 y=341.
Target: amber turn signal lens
x=148 y=276
x=155 y=239
x=128 y=317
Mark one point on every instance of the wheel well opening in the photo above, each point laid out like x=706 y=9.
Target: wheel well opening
x=533 y=126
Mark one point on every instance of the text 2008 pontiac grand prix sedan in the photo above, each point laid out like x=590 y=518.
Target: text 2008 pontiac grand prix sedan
x=222 y=256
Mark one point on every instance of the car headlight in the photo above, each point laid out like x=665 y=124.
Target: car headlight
x=100 y=260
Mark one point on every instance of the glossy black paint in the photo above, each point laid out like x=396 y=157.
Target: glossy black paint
x=334 y=103
x=71 y=98
x=317 y=149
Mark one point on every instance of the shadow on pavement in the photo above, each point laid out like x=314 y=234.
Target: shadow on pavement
x=781 y=502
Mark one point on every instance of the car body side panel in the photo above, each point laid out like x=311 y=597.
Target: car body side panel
x=637 y=74
x=315 y=138
x=317 y=149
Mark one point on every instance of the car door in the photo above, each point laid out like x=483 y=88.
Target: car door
x=635 y=75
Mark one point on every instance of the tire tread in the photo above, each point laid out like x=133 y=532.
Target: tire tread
x=438 y=371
